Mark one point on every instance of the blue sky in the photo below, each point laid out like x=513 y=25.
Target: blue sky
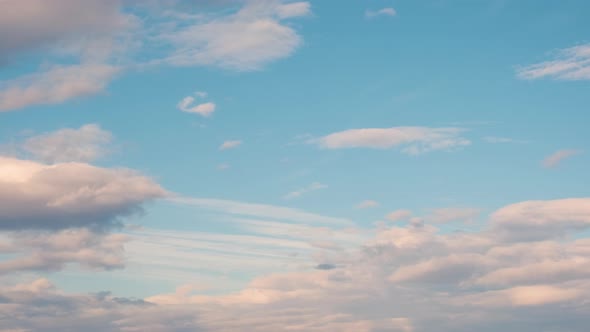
x=254 y=154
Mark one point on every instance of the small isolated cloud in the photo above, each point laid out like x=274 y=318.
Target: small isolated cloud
x=367 y=204
x=298 y=193
x=499 y=140
x=204 y=109
x=223 y=167
x=230 y=145
x=66 y=145
x=388 y=11
x=568 y=64
x=556 y=158
x=413 y=140
x=398 y=215
x=55 y=85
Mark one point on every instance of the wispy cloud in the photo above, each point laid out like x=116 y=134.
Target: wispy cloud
x=230 y=144
x=556 y=158
x=388 y=11
x=245 y=40
x=414 y=140
x=568 y=64
x=299 y=192
x=367 y=204
x=55 y=85
x=500 y=140
x=259 y=210
x=85 y=144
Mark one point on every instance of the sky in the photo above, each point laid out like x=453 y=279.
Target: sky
x=276 y=165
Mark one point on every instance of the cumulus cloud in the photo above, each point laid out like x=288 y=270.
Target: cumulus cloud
x=230 y=144
x=556 y=158
x=245 y=40
x=32 y=24
x=47 y=251
x=66 y=145
x=302 y=191
x=401 y=279
x=414 y=140
x=39 y=196
x=388 y=11
x=568 y=64
x=542 y=219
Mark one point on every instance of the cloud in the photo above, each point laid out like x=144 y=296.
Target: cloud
x=556 y=158
x=259 y=210
x=66 y=145
x=398 y=215
x=415 y=140
x=230 y=145
x=542 y=219
x=39 y=196
x=367 y=204
x=568 y=64
x=398 y=279
x=85 y=45
x=55 y=85
x=34 y=24
x=245 y=40
x=299 y=192
x=499 y=140
x=47 y=251
x=79 y=43
x=204 y=109
x=223 y=167
x=388 y=11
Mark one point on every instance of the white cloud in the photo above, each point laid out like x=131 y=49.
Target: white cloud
x=204 y=109
x=246 y=40
x=415 y=140
x=86 y=44
x=556 y=158
x=230 y=145
x=56 y=85
x=33 y=24
x=367 y=204
x=299 y=192
x=79 y=43
x=65 y=145
x=39 y=196
x=542 y=219
x=397 y=279
x=46 y=251
x=569 y=64
x=388 y=11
